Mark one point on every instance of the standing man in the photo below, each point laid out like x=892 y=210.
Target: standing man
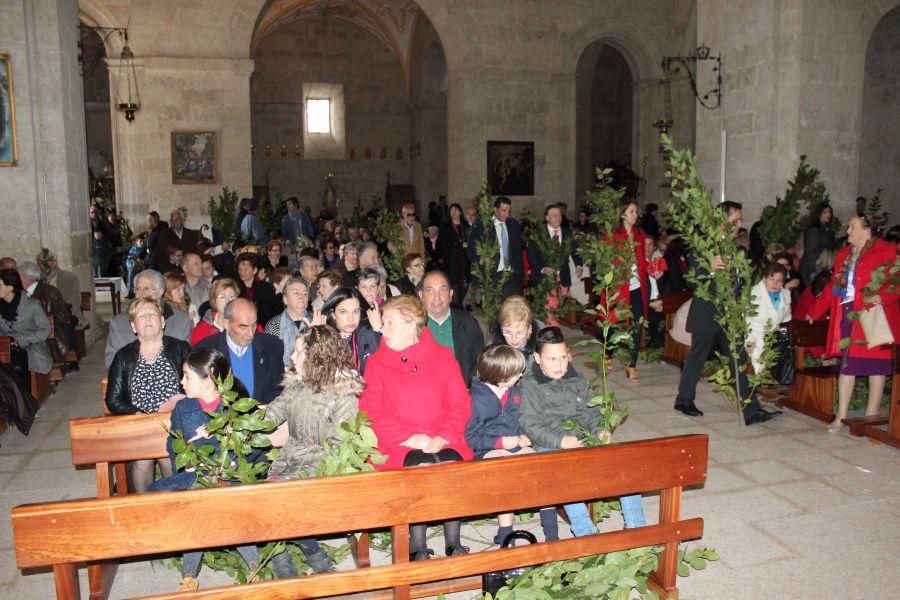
x=413 y=240
x=509 y=236
x=555 y=232
x=707 y=335
x=177 y=236
x=255 y=358
x=295 y=223
x=451 y=327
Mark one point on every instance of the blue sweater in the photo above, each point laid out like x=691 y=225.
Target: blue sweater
x=242 y=368
x=490 y=420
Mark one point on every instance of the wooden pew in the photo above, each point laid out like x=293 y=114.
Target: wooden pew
x=871 y=427
x=63 y=534
x=813 y=391
x=674 y=352
x=40 y=385
x=107 y=444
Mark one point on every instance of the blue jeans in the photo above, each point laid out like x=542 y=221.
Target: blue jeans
x=580 y=516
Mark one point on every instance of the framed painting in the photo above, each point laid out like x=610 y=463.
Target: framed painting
x=510 y=168
x=194 y=157
x=8 y=151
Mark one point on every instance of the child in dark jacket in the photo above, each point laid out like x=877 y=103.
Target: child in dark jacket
x=494 y=430
x=553 y=391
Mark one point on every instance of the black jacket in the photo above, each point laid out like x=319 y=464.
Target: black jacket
x=406 y=286
x=489 y=420
x=263 y=295
x=363 y=344
x=468 y=340
x=452 y=257
x=537 y=259
x=513 y=233
x=118 y=388
x=268 y=368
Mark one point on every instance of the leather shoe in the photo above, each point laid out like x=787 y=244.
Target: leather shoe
x=690 y=410
x=761 y=416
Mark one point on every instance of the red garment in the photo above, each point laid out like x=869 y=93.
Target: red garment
x=418 y=390
x=205 y=329
x=637 y=238
x=803 y=307
x=880 y=253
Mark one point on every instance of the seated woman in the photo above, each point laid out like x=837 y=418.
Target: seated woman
x=343 y=312
x=253 y=288
x=294 y=318
x=418 y=403
x=221 y=293
x=517 y=326
x=178 y=297
x=414 y=270
x=326 y=282
x=22 y=318
x=367 y=284
x=774 y=308
x=274 y=256
x=318 y=396
x=190 y=416
x=145 y=376
x=385 y=290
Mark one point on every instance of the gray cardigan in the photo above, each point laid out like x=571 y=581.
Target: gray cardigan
x=31 y=328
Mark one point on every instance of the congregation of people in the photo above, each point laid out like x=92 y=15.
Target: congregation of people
x=305 y=319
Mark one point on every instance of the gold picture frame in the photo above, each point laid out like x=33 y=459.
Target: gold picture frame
x=195 y=156
x=9 y=153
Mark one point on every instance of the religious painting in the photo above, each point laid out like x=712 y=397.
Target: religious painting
x=194 y=157
x=8 y=152
x=510 y=168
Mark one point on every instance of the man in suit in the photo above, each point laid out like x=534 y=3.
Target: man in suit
x=255 y=358
x=707 y=335
x=176 y=236
x=451 y=327
x=53 y=304
x=556 y=233
x=413 y=240
x=178 y=323
x=509 y=236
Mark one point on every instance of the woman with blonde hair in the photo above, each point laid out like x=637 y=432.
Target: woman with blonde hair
x=517 y=326
x=177 y=296
x=221 y=293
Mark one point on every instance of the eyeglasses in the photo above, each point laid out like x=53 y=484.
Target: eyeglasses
x=146 y=289
x=409 y=214
x=515 y=335
x=227 y=298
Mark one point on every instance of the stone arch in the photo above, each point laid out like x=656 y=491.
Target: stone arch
x=95 y=13
x=640 y=55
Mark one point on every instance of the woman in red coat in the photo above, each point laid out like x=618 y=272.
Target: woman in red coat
x=418 y=403
x=853 y=267
x=635 y=289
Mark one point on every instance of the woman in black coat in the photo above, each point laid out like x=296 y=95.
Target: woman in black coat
x=452 y=258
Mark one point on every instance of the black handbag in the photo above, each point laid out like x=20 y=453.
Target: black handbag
x=492 y=582
x=783 y=369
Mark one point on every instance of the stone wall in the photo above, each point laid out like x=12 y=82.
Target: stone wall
x=377 y=118
x=879 y=161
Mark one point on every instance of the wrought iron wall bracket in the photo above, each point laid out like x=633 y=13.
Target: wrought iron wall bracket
x=672 y=64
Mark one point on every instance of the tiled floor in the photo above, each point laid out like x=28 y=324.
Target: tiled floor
x=794 y=512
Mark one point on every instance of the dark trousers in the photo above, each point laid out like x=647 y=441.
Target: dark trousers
x=417 y=542
x=702 y=343
x=513 y=285
x=637 y=313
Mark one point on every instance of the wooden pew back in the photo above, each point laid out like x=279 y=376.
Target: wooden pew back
x=813 y=390
x=65 y=533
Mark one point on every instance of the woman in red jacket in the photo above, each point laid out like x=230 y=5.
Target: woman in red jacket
x=853 y=267
x=634 y=290
x=418 y=403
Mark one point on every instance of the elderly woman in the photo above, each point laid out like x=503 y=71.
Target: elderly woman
x=145 y=375
x=367 y=284
x=343 y=311
x=516 y=326
x=294 y=318
x=274 y=256
x=418 y=403
x=253 y=288
x=414 y=269
x=853 y=269
x=773 y=303
x=326 y=283
x=22 y=318
x=221 y=293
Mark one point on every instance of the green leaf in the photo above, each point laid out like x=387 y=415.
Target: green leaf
x=244 y=404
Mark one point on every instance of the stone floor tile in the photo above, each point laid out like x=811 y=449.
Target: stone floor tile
x=811 y=494
x=768 y=471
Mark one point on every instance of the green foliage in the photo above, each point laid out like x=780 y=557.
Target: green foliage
x=239 y=429
x=356 y=452
x=613 y=576
x=484 y=270
x=222 y=213
x=783 y=223
x=874 y=208
x=270 y=213
x=555 y=255
x=708 y=235
x=389 y=232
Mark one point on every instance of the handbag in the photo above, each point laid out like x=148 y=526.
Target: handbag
x=783 y=370
x=491 y=583
x=875 y=326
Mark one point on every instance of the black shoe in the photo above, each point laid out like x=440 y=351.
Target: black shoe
x=284 y=565
x=690 y=410
x=320 y=562
x=420 y=555
x=761 y=416
x=456 y=550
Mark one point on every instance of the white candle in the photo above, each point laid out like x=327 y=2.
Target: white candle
x=722 y=168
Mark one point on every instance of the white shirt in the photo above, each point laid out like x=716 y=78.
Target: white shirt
x=30 y=289
x=558 y=231
x=499 y=226
x=238 y=350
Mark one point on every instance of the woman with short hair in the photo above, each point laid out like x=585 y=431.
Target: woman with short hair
x=325 y=284
x=253 y=288
x=295 y=317
x=418 y=403
x=221 y=293
x=414 y=270
x=516 y=326
x=22 y=318
x=773 y=304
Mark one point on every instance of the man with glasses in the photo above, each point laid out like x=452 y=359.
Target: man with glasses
x=151 y=284
x=412 y=240
x=451 y=327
